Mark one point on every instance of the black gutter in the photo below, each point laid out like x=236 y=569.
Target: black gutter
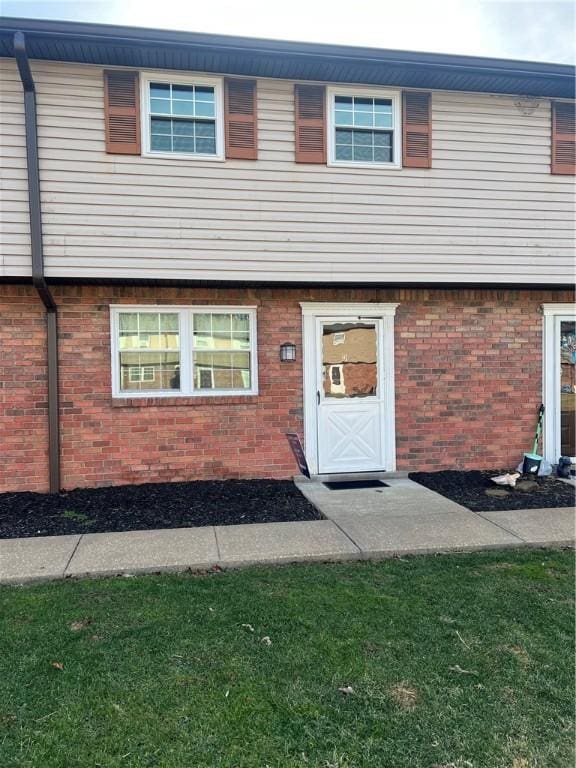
x=141 y=48
x=37 y=248
x=112 y=33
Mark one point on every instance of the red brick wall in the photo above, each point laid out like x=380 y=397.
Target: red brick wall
x=468 y=384
x=23 y=393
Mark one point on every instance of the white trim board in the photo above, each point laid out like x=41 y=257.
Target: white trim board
x=310 y=312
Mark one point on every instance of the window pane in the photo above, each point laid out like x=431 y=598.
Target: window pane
x=343 y=152
x=345 y=101
x=363 y=138
x=149 y=321
x=202 y=322
x=160 y=126
x=221 y=331
x=383 y=120
x=205 y=130
x=240 y=341
x=160 y=90
x=363 y=154
x=363 y=118
x=382 y=139
x=363 y=102
x=149 y=371
x=184 y=144
x=204 y=109
x=205 y=92
x=183 y=127
x=183 y=108
x=343 y=118
x=169 y=322
x=128 y=321
x=186 y=136
x=240 y=323
x=343 y=136
x=382 y=155
x=160 y=143
x=221 y=370
x=149 y=330
x=183 y=92
x=161 y=106
x=221 y=322
x=205 y=146
x=349 y=359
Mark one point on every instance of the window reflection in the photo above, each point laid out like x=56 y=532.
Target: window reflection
x=349 y=360
x=149 y=351
x=221 y=350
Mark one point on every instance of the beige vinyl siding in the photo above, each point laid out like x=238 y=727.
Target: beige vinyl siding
x=14 y=222
x=488 y=209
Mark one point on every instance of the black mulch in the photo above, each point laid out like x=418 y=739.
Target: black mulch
x=153 y=505
x=468 y=488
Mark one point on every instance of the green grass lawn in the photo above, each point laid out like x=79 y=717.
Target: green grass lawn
x=461 y=661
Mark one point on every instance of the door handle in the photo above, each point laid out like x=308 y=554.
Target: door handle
x=318 y=396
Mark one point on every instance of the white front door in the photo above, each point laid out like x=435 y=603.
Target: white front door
x=349 y=394
x=348 y=355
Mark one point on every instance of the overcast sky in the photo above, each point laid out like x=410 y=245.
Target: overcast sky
x=543 y=30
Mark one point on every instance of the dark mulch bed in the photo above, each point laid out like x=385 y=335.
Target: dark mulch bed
x=153 y=505
x=469 y=490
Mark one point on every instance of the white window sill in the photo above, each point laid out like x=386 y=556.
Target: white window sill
x=374 y=166
x=184 y=156
x=215 y=393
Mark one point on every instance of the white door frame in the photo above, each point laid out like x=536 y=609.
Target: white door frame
x=313 y=310
x=553 y=315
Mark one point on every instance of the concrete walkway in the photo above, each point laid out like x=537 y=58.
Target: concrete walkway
x=404 y=518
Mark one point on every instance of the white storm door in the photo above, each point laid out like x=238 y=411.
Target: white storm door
x=349 y=394
x=559 y=381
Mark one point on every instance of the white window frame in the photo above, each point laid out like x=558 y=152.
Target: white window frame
x=185 y=314
x=373 y=93
x=554 y=314
x=214 y=82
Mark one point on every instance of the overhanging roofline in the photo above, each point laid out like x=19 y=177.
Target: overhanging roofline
x=139 y=47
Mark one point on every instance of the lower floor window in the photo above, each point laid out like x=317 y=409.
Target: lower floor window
x=183 y=351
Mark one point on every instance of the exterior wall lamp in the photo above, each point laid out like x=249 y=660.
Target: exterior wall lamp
x=287 y=352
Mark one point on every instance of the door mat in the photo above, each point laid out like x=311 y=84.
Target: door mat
x=350 y=485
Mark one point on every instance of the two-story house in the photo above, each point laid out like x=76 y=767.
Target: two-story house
x=208 y=242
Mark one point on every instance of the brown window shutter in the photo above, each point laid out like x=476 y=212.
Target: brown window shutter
x=563 y=137
x=416 y=129
x=310 y=103
x=122 y=112
x=240 y=118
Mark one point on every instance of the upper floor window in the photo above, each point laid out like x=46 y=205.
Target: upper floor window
x=364 y=127
x=183 y=117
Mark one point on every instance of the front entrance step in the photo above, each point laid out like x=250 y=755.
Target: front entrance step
x=351 y=477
